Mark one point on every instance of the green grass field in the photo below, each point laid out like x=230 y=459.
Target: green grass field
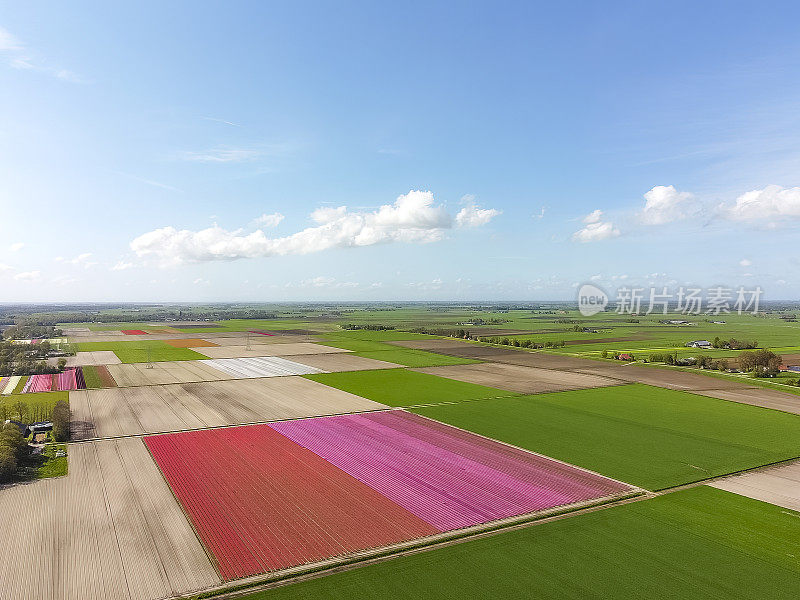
x=648 y=436
x=369 y=345
x=399 y=387
x=696 y=543
x=52 y=466
x=37 y=406
x=91 y=378
x=137 y=351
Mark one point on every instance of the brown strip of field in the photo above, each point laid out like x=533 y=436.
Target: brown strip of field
x=153 y=409
x=190 y=343
x=667 y=378
x=515 y=378
x=269 y=350
x=105 y=376
x=342 y=362
x=111 y=529
x=763 y=397
x=779 y=485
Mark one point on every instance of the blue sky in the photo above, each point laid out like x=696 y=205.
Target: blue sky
x=300 y=151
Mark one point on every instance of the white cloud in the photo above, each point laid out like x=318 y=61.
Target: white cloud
x=596 y=229
x=745 y=262
x=28 y=276
x=16 y=247
x=540 y=214
x=665 y=204
x=769 y=205
x=221 y=155
x=472 y=216
x=412 y=218
x=271 y=220
x=5 y=267
x=82 y=260
x=121 y=266
x=593 y=217
x=17 y=56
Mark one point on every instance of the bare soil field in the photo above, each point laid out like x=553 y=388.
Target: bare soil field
x=499 y=354
x=779 y=485
x=237 y=339
x=268 y=350
x=98 y=357
x=763 y=397
x=109 y=530
x=191 y=343
x=666 y=378
x=183 y=371
x=516 y=378
x=343 y=362
x=154 y=409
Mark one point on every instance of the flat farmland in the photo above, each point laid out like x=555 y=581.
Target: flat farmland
x=402 y=387
x=696 y=543
x=342 y=361
x=519 y=379
x=765 y=398
x=648 y=436
x=139 y=351
x=267 y=350
x=667 y=378
x=138 y=374
x=268 y=497
x=150 y=409
x=98 y=357
x=262 y=366
x=111 y=529
x=190 y=343
x=778 y=485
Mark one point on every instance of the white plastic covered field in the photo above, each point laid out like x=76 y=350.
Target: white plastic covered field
x=261 y=366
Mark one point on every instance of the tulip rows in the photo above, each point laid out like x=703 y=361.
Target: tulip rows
x=267 y=497
x=260 y=502
x=69 y=379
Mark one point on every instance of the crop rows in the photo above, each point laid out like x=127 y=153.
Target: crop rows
x=262 y=366
x=69 y=379
x=449 y=477
x=267 y=497
x=261 y=503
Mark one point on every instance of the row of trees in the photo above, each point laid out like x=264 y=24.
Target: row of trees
x=13 y=450
x=734 y=344
x=368 y=327
x=29 y=332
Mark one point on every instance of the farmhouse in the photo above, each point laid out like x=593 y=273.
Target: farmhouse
x=699 y=344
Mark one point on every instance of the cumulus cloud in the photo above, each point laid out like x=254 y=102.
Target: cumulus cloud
x=16 y=247
x=770 y=205
x=664 y=204
x=28 y=276
x=5 y=267
x=745 y=262
x=596 y=229
x=472 y=216
x=272 y=220
x=412 y=218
